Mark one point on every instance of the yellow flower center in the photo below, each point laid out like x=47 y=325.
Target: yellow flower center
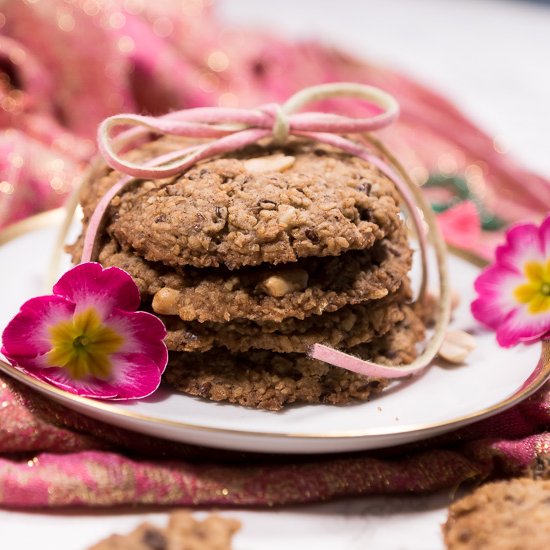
x=83 y=346
x=535 y=293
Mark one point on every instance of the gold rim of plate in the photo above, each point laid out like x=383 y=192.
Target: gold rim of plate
x=54 y=217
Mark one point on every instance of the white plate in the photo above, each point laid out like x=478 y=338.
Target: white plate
x=442 y=399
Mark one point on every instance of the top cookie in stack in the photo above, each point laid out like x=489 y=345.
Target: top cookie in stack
x=251 y=259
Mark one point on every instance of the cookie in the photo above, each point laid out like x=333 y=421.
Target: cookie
x=144 y=537
x=268 y=380
x=311 y=286
x=182 y=533
x=506 y=515
x=346 y=327
x=225 y=212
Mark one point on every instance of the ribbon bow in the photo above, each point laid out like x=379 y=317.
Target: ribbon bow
x=237 y=128
x=230 y=129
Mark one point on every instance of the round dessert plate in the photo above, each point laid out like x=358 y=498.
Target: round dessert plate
x=443 y=398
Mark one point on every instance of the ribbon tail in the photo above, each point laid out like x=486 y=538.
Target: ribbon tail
x=366 y=368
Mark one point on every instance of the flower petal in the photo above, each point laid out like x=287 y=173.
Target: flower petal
x=143 y=333
x=90 y=387
x=521 y=326
x=523 y=245
x=496 y=286
x=27 y=334
x=88 y=284
x=544 y=236
x=135 y=375
x=461 y=225
x=28 y=364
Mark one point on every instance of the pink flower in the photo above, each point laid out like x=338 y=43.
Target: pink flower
x=87 y=338
x=461 y=225
x=514 y=293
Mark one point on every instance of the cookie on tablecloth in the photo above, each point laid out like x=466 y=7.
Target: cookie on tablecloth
x=505 y=515
x=182 y=533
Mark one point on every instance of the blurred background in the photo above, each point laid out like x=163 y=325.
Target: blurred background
x=488 y=56
x=471 y=77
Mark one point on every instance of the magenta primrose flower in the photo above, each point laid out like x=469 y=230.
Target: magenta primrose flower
x=87 y=338
x=514 y=292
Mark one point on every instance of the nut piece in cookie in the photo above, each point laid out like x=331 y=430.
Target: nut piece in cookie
x=271 y=163
x=287 y=281
x=506 y=515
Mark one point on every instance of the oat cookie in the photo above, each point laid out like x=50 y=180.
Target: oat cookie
x=346 y=327
x=269 y=380
x=144 y=537
x=311 y=286
x=221 y=213
x=506 y=515
x=182 y=533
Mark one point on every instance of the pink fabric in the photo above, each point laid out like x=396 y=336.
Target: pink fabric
x=154 y=60
x=55 y=457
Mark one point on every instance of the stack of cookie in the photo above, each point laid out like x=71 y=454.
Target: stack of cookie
x=250 y=260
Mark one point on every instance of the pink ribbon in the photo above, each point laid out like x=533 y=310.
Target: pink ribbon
x=232 y=129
